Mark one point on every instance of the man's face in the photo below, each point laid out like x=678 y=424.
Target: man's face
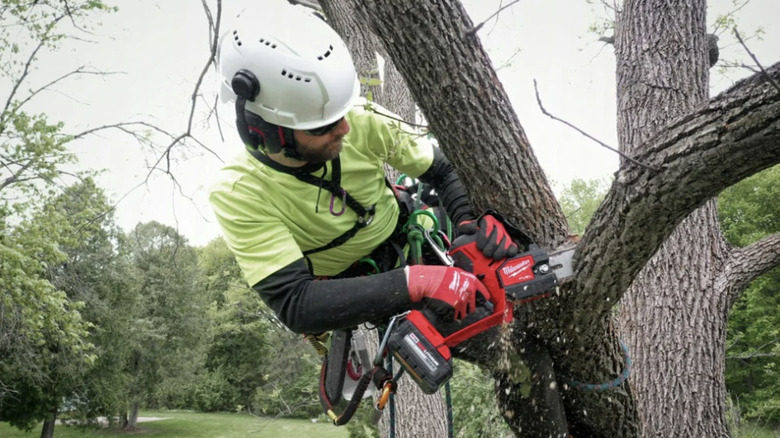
x=321 y=148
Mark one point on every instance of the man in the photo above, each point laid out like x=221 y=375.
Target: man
x=308 y=197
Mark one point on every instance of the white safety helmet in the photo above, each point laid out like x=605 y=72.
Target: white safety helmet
x=292 y=69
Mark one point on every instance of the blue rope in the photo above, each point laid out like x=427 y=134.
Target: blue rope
x=608 y=385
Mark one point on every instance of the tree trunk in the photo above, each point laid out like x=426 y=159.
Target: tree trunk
x=674 y=321
x=47 y=431
x=673 y=318
x=416 y=414
x=132 y=419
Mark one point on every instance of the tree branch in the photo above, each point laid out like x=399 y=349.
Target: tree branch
x=746 y=264
x=736 y=135
x=752 y=355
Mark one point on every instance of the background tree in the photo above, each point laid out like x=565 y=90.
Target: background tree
x=37 y=321
x=78 y=222
x=579 y=200
x=237 y=348
x=93 y=275
x=169 y=326
x=32 y=155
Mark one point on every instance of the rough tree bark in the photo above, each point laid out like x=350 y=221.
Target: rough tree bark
x=416 y=414
x=435 y=47
x=673 y=318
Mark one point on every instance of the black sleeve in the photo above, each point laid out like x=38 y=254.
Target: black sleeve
x=452 y=194
x=306 y=305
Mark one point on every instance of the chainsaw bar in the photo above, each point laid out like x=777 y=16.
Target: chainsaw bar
x=561 y=262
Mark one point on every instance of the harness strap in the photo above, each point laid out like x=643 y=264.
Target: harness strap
x=334 y=187
x=365 y=214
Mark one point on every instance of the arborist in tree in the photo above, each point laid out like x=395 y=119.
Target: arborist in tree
x=307 y=197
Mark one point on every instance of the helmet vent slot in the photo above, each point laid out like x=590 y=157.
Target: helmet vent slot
x=290 y=75
x=236 y=38
x=268 y=43
x=326 y=54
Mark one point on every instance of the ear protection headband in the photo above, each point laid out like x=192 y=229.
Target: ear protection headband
x=252 y=129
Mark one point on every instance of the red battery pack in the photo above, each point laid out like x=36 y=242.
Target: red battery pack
x=420 y=350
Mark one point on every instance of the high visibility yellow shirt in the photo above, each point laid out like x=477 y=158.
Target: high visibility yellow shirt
x=269 y=217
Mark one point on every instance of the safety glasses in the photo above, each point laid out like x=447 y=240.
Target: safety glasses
x=322 y=130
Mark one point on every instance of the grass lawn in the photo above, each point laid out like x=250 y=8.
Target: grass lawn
x=184 y=424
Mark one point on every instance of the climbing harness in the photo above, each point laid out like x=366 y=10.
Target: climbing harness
x=346 y=375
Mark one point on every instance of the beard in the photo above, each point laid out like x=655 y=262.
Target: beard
x=320 y=154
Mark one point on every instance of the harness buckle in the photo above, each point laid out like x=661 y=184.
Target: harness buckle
x=368 y=217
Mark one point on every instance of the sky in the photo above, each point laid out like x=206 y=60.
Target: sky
x=155 y=51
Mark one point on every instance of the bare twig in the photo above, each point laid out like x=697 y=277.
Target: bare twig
x=733 y=12
x=23 y=76
x=479 y=26
x=732 y=64
x=757 y=351
x=544 y=111
x=508 y=60
x=78 y=71
x=766 y=75
x=373 y=108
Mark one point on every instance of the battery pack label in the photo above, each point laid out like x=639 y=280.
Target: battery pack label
x=420 y=351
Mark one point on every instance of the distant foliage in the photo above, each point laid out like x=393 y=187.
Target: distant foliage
x=291 y=378
x=580 y=199
x=474 y=408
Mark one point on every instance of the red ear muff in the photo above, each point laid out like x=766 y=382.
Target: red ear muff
x=255 y=131
x=245 y=84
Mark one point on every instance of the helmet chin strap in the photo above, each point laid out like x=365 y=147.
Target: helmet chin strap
x=256 y=132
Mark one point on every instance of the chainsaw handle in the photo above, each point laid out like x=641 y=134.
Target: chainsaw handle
x=468 y=257
x=501 y=313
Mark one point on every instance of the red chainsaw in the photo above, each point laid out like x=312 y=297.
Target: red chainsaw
x=421 y=343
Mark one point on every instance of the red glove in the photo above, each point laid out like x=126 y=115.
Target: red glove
x=492 y=238
x=448 y=291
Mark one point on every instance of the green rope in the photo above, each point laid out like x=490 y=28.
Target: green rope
x=412 y=221
x=369 y=261
x=415 y=237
